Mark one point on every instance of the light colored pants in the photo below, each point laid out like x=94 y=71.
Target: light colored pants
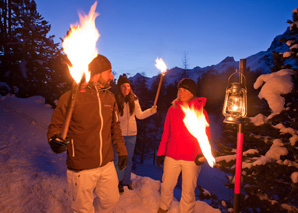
x=190 y=172
x=102 y=181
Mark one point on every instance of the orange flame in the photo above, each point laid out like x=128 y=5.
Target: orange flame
x=196 y=124
x=80 y=45
x=160 y=64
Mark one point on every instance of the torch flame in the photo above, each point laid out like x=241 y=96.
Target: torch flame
x=160 y=64
x=80 y=45
x=196 y=124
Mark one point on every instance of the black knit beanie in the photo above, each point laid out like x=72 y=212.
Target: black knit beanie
x=122 y=79
x=99 y=64
x=189 y=84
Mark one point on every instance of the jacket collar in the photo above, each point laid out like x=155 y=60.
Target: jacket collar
x=96 y=87
x=197 y=101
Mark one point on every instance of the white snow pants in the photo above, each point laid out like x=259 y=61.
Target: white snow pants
x=102 y=181
x=171 y=172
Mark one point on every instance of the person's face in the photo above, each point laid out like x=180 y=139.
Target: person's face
x=184 y=95
x=125 y=89
x=103 y=78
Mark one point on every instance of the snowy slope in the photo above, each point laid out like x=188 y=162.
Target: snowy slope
x=32 y=177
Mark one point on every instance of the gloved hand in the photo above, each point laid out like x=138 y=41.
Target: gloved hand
x=153 y=110
x=122 y=161
x=159 y=160
x=57 y=144
x=200 y=159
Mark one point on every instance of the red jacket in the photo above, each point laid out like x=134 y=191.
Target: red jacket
x=177 y=142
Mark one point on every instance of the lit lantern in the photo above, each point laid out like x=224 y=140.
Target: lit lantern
x=235 y=105
x=234 y=111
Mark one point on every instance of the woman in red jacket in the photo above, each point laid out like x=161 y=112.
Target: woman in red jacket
x=180 y=149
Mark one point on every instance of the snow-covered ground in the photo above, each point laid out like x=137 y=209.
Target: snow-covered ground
x=33 y=178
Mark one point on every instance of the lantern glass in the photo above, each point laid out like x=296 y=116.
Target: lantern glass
x=235 y=104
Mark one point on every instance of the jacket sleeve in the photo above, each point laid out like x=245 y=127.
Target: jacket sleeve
x=165 y=136
x=142 y=114
x=57 y=120
x=117 y=137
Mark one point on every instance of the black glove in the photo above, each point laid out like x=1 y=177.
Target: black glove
x=57 y=144
x=159 y=160
x=122 y=161
x=199 y=163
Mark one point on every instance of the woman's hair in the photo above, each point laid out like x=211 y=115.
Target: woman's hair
x=174 y=102
x=130 y=98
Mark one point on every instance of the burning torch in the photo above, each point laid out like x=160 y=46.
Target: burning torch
x=80 y=47
x=196 y=123
x=160 y=64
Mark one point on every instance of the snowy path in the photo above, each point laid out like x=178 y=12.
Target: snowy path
x=32 y=177
x=29 y=175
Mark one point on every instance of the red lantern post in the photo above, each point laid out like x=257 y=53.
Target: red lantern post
x=234 y=111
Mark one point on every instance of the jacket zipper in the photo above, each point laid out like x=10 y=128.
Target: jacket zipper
x=100 y=131
x=72 y=147
x=127 y=113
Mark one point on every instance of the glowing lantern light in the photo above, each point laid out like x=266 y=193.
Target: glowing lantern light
x=235 y=105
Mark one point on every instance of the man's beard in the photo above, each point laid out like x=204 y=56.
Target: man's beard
x=104 y=83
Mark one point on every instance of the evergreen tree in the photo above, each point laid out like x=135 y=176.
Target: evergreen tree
x=270 y=186
x=278 y=61
x=185 y=65
x=30 y=61
x=140 y=88
x=150 y=129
